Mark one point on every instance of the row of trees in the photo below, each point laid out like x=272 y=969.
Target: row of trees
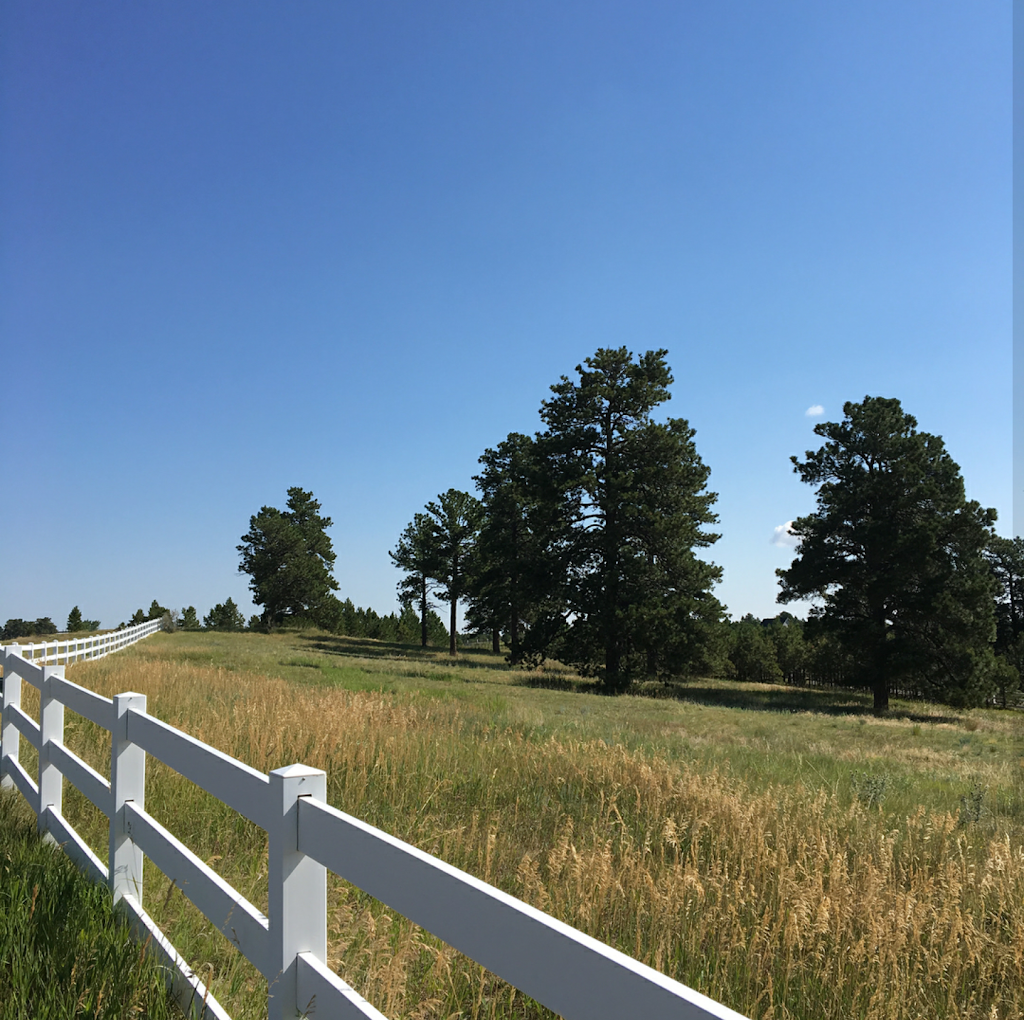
x=44 y=626
x=582 y=543
x=585 y=543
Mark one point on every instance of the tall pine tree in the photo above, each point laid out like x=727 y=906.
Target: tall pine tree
x=894 y=556
x=417 y=554
x=455 y=519
x=632 y=497
x=514 y=578
x=288 y=557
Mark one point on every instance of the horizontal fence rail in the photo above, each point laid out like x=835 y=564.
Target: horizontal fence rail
x=67 y=650
x=571 y=973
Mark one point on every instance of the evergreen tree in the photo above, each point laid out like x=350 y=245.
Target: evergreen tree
x=786 y=634
x=753 y=652
x=633 y=504
x=288 y=557
x=156 y=611
x=224 y=616
x=514 y=576
x=894 y=554
x=189 y=620
x=74 y=621
x=454 y=521
x=417 y=554
x=1006 y=560
x=138 y=617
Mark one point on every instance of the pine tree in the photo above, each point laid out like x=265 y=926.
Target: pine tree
x=633 y=503
x=455 y=520
x=894 y=556
x=416 y=554
x=514 y=577
x=288 y=556
x=189 y=620
x=224 y=616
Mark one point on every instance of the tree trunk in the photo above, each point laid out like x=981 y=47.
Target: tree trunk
x=452 y=649
x=496 y=640
x=515 y=650
x=881 y=705
x=612 y=666
x=881 y=678
x=423 y=614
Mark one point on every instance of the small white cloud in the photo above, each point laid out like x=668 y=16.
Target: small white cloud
x=783 y=535
x=814 y=411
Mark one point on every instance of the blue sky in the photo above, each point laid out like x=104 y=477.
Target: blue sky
x=350 y=245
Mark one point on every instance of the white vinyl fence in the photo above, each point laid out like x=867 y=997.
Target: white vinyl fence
x=571 y=973
x=70 y=649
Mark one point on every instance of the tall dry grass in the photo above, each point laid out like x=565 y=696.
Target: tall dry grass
x=781 y=902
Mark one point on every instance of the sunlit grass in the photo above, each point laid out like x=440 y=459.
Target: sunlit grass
x=783 y=851
x=64 y=953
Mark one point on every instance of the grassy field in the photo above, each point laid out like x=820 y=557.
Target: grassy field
x=781 y=850
x=63 y=952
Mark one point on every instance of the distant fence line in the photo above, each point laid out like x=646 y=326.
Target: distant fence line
x=565 y=970
x=70 y=649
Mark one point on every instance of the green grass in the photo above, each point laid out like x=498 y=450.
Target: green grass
x=782 y=850
x=64 y=953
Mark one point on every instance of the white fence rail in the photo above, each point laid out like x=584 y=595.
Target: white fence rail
x=565 y=970
x=70 y=649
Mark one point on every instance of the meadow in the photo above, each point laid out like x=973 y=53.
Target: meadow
x=781 y=850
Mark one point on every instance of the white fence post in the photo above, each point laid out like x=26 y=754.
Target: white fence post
x=127 y=782
x=51 y=728
x=11 y=738
x=297 y=888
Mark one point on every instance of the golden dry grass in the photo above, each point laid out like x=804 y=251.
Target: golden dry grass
x=780 y=899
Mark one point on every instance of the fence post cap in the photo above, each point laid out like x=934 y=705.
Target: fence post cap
x=297 y=771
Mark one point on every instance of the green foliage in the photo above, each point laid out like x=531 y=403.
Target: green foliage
x=1005 y=558
x=416 y=553
x=288 y=557
x=894 y=554
x=156 y=611
x=455 y=520
x=224 y=616
x=753 y=653
x=16 y=628
x=632 y=505
x=189 y=620
x=346 y=619
x=64 y=953
x=76 y=624
x=138 y=617
x=514 y=565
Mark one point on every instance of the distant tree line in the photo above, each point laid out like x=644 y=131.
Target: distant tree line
x=44 y=626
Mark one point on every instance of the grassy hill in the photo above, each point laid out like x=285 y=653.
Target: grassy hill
x=781 y=850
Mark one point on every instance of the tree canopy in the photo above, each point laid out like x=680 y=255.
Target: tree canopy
x=224 y=616
x=513 y=580
x=893 y=555
x=416 y=553
x=633 y=505
x=76 y=624
x=454 y=522
x=288 y=557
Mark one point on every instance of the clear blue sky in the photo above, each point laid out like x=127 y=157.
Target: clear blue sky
x=349 y=245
